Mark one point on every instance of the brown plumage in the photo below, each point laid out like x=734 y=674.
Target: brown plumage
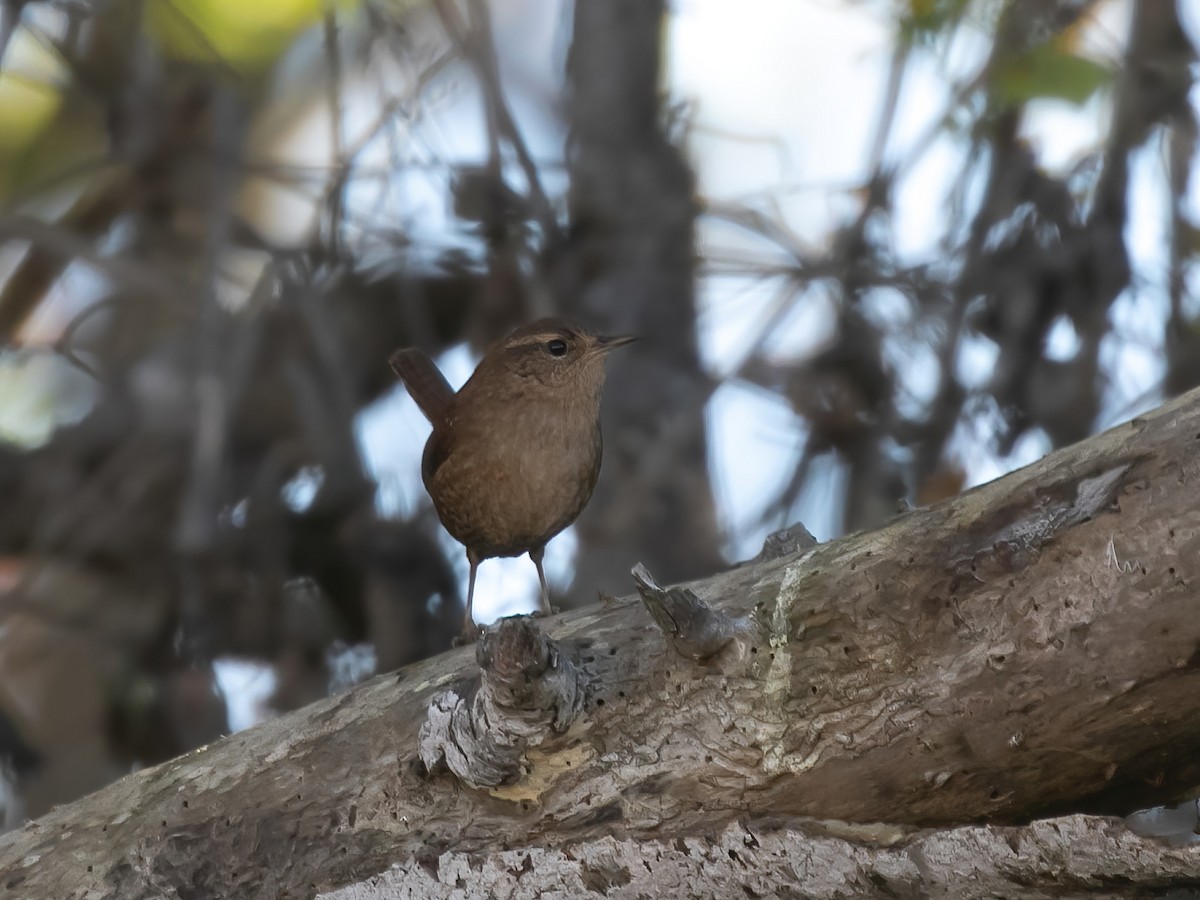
x=515 y=454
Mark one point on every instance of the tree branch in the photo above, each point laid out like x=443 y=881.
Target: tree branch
x=1029 y=648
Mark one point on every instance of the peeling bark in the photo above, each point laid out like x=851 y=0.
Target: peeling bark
x=1029 y=648
x=1078 y=856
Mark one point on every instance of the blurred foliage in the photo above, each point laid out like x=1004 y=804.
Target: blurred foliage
x=244 y=35
x=28 y=402
x=926 y=21
x=49 y=120
x=30 y=93
x=1050 y=71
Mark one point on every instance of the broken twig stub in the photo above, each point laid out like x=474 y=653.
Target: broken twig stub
x=529 y=688
x=692 y=627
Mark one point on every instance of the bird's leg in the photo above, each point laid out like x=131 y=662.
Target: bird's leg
x=536 y=555
x=470 y=629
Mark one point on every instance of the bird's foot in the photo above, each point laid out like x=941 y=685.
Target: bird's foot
x=540 y=613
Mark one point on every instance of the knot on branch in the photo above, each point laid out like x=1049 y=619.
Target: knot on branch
x=692 y=627
x=528 y=688
x=785 y=542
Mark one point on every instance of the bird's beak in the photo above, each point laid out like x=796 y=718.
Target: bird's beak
x=606 y=342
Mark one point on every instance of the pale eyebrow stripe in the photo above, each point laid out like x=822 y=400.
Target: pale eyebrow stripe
x=539 y=339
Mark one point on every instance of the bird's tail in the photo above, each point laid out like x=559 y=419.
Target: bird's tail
x=425 y=383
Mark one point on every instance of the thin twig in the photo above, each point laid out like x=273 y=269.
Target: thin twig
x=334 y=84
x=63 y=244
x=476 y=44
x=215 y=403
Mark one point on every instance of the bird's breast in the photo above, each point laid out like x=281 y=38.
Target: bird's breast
x=510 y=482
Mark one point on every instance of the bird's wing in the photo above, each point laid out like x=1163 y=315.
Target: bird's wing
x=425 y=383
x=437 y=450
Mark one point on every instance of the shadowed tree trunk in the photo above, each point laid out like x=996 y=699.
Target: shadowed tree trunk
x=629 y=265
x=1026 y=649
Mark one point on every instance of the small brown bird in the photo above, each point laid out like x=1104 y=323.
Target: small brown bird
x=515 y=454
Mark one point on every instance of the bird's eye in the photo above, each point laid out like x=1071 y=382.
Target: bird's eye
x=557 y=348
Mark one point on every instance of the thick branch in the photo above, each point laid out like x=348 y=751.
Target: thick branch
x=1030 y=647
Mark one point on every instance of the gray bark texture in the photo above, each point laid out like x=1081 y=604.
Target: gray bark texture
x=1076 y=856
x=1028 y=649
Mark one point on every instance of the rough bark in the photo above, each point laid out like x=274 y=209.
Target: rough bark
x=1078 y=856
x=1027 y=649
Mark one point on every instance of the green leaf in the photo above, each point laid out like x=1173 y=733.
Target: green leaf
x=1048 y=72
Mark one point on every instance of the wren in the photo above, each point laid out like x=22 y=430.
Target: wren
x=515 y=454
